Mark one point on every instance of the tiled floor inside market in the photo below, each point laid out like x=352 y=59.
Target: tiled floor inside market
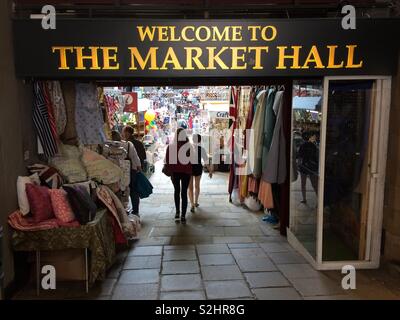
x=223 y=252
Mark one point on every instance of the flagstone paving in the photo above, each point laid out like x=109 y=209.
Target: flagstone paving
x=223 y=252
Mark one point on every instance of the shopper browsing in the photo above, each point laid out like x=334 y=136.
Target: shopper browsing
x=135 y=168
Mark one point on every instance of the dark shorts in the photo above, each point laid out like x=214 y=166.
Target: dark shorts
x=197 y=170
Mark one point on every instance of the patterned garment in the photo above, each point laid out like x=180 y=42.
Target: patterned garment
x=18 y=222
x=43 y=122
x=57 y=101
x=48 y=175
x=96 y=235
x=88 y=116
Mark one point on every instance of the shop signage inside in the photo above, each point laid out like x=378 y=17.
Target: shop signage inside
x=192 y=48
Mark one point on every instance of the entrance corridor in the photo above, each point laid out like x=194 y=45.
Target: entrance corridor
x=223 y=252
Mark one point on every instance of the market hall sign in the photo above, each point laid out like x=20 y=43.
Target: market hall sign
x=124 y=48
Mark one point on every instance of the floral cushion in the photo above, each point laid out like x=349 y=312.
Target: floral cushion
x=39 y=202
x=61 y=207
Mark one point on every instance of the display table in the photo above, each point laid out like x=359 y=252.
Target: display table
x=96 y=238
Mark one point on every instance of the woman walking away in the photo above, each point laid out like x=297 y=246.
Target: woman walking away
x=197 y=170
x=179 y=164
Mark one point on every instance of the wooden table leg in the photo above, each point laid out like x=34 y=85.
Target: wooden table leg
x=38 y=272
x=86 y=270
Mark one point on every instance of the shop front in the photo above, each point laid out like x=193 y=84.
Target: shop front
x=335 y=84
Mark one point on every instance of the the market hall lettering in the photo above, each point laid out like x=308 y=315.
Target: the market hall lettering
x=141 y=48
x=222 y=57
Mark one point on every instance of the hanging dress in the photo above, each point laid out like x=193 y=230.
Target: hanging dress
x=275 y=156
x=43 y=121
x=57 y=101
x=88 y=115
x=232 y=126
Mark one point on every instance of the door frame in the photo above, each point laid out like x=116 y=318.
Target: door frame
x=377 y=171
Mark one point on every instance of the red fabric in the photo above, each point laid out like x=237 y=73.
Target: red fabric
x=39 y=202
x=177 y=167
x=233 y=114
x=61 y=207
x=19 y=222
x=118 y=234
x=52 y=119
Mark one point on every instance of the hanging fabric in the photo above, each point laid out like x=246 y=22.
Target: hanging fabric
x=88 y=117
x=256 y=137
x=45 y=128
x=275 y=162
x=69 y=135
x=57 y=101
x=232 y=125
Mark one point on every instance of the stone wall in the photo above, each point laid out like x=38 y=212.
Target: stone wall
x=16 y=132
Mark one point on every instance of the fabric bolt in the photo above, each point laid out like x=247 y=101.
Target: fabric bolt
x=61 y=207
x=39 y=202
x=88 y=116
x=269 y=125
x=57 y=101
x=42 y=121
x=275 y=163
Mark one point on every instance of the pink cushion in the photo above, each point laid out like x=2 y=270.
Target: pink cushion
x=61 y=207
x=39 y=202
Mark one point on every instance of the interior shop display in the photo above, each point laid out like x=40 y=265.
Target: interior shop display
x=258 y=142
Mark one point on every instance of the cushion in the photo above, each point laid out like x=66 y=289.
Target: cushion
x=23 y=201
x=71 y=168
x=82 y=204
x=61 y=207
x=100 y=169
x=39 y=202
x=48 y=175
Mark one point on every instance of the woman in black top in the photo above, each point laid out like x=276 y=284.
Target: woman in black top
x=197 y=171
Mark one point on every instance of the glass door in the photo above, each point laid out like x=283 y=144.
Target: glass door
x=337 y=204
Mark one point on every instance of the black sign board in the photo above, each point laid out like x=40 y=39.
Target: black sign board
x=127 y=48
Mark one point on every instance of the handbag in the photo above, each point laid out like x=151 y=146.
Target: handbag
x=143 y=186
x=166 y=170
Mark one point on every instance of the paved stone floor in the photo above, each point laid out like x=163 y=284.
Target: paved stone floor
x=223 y=252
